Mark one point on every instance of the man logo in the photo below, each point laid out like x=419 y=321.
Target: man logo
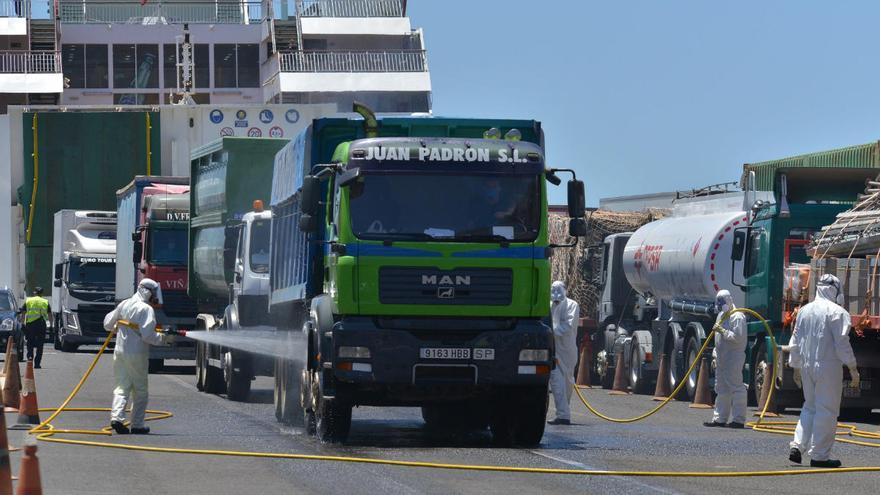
x=446 y=280
x=446 y=293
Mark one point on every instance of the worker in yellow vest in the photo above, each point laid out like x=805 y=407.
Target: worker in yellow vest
x=36 y=321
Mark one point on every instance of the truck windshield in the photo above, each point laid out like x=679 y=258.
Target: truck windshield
x=96 y=276
x=167 y=247
x=466 y=208
x=259 y=247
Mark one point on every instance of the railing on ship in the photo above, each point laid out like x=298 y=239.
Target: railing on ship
x=351 y=8
x=25 y=62
x=354 y=61
x=158 y=12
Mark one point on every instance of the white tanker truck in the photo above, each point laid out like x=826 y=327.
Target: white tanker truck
x=658 y=290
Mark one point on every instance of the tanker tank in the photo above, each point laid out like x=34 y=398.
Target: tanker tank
x=684 y=259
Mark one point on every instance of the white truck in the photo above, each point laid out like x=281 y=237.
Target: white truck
x=84 y=260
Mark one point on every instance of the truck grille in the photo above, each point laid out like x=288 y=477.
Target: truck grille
x=467 y=286
x=91 y=319
x=176 y=303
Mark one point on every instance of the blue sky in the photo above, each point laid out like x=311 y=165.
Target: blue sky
x=650 y=96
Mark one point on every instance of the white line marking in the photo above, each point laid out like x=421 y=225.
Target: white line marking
x=581 y=465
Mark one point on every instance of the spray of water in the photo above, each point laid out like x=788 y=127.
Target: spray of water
x=275 y=343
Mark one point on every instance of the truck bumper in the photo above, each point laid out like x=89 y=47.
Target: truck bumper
x=397 y=373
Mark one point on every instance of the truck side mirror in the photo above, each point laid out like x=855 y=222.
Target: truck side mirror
x=137 y=252
x=228 y=259
x=576 y=200
x=59 y=272
x=739 y=244
x=577 y=227
x=308 y=223
x=310 y=194
x=136 y=236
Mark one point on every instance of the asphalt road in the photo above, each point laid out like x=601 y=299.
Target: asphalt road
x=673 y=440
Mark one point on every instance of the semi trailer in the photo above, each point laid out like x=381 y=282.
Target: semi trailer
x=84 y=260
x=153 y=219
x=413 y=255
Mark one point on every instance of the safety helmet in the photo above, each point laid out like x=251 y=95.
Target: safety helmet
x=149 y=289
x=38 y=291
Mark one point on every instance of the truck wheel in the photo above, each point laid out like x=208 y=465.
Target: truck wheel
x=638 y=383
x=214 y=383
x=691 y=348
x=286 y=396
x=238 y=383
x=56 y=342
x=761 y=375
x=156 y=365
x=67 y=346
x=200 y=366
x=332 y=420
x=519 y=419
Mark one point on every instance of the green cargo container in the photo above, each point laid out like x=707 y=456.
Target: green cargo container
x=82 y=159
x=226 y=176
x=861 y=156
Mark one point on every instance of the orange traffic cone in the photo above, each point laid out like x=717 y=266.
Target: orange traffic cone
x=664 y=387
x=619 y=387
x=29 y=412
x=703 y=396
x=5 y=467
x=765 y=394
x=586 y=365
x=29 y=474
x=12 y=378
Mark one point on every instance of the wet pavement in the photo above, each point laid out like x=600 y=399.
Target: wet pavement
x=672 y=440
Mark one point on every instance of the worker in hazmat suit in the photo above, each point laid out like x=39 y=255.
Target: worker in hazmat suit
x=820 y=347
x=131 y=355
x=731 y=338
x=564 y=314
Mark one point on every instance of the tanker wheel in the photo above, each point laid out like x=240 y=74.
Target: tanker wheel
x=332 y=416
x=691 y=351
x=638 y=383
x=200 y=366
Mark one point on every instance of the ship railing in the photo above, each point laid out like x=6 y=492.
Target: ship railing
x=351 y=8
x=152 y=12
x=355 y=61
x=27 y=62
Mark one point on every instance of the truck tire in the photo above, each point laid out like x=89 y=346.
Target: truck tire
x=691 y=348
x=56 y=343
x=214 y=383
x=156 y=365
x=238 y=382
x=67 y=346
x=519 y=416
x=200 y=366
x=332 y=420
x=287 y=393
x=607 y=378
x=759 y=374
x=638 y=382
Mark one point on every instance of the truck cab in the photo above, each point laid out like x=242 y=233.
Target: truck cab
x=772 y=245
x=84 y=255
x=250 y=288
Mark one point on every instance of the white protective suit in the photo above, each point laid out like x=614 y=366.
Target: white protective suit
x=730 y=348
x=131 y=355
x=820 y=347
x=564 y=313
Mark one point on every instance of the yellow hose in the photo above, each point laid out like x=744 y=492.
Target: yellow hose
x=46 y=432
x=36 y=182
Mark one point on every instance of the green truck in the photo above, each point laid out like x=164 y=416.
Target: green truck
x=409 y=256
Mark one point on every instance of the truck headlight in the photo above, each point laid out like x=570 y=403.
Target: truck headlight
x=7 y=325
x=348 y=352
x=534 y=355
x=71 y=321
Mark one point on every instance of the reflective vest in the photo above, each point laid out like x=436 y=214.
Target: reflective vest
x=36 y=307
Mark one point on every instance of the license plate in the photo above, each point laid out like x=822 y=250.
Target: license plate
x=445 y=353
